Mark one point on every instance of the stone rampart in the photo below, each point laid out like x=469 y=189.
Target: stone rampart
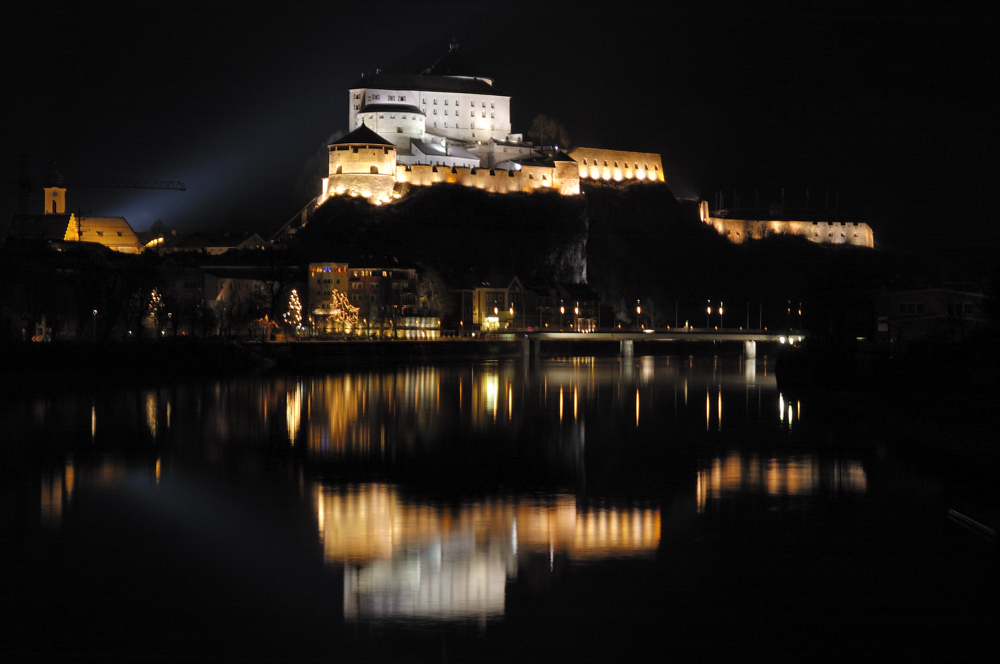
x=739 y=231
x=618 y=165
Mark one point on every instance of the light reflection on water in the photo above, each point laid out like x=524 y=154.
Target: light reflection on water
x=404 y=559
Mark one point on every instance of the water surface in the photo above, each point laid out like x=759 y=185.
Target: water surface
x=586 y=508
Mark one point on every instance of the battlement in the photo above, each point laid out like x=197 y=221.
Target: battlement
x=738 y=231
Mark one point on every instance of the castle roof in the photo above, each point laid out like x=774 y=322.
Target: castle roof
x=362 y=136
x=426 y=82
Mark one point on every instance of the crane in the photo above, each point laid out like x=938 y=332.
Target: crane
x=25 y=182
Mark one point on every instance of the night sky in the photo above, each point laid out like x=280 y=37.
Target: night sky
x=891 y=111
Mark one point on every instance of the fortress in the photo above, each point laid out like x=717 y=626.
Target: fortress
x=450 y=125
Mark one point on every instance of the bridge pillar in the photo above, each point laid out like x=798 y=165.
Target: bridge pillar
x=627 y=348
x=750 y=350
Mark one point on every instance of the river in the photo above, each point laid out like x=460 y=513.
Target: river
x=571 y=509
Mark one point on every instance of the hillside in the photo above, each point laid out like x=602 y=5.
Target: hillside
x=627 y=241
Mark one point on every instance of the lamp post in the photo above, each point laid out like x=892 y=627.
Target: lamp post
x=576 y=314
x=708 y=315
x=638 y=311
x=562 y=312
x=720 y=315
x=95 y=326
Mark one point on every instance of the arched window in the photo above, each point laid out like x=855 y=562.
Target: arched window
x=340 y=169
x=374 y=169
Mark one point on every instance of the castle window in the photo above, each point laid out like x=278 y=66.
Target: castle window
x=605 y=162
x=402 y=97
x=100 y=233
x=484 y=114
x=492 y=115
x=380 y=117
x=435 y=101
x=456 y=102
x=392 y=116
x=445 y=102
x=445 y=125
x=340 y=169
x=119 y=233
x=472 y=114
x=616 y=164
x=374 y=169
x=435 y=111
x=484 y=104
x=356 y=107
x=491 y=104
x=392 y=97
x=472 y=104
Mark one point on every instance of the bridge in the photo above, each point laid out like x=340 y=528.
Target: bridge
x=533 y=340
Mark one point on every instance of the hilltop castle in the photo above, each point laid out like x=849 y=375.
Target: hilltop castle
x=450 y=124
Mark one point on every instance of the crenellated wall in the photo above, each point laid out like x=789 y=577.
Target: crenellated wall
x=618 y=165
x=529 y=178
x=739 y=231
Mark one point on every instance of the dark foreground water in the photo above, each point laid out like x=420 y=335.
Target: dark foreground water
x=655 y=509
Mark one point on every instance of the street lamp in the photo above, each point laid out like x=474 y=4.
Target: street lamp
x=95 y=326
x=708 y=315
x=638 y=310
x=720 y=315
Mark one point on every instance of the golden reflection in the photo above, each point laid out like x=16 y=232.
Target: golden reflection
x=151 y=413
x=93 y=423
x=51 y=499
x=407 y=559
x=637 y=407
x=560 y=403
x=293 y=412
x=708 y=410
x=575 y=405
x=796 y=475
x=69 y=477
x=157 y=470
x=719 y=408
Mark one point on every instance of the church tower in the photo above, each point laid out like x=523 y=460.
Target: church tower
x=55 y=193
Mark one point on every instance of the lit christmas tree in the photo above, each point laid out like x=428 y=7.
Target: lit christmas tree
x=294 y=315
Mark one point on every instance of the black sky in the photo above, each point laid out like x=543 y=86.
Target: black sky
x=890 y=110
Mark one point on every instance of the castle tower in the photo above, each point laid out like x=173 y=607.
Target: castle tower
x=361 y=164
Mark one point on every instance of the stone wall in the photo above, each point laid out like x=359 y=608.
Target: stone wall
x=738 y=231
x=529 y=178
x=618 y=165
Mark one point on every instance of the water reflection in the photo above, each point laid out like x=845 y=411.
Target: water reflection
x=406 y=559
x=796 y=475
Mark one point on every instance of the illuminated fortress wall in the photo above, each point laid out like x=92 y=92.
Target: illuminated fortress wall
x=528 y=179
x=361 y=170
x=738 y=231
x=618 y=165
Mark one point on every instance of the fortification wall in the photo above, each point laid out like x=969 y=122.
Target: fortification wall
x=618 y=165
x=366 y=159
x=529 y=178
x=739 y=231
